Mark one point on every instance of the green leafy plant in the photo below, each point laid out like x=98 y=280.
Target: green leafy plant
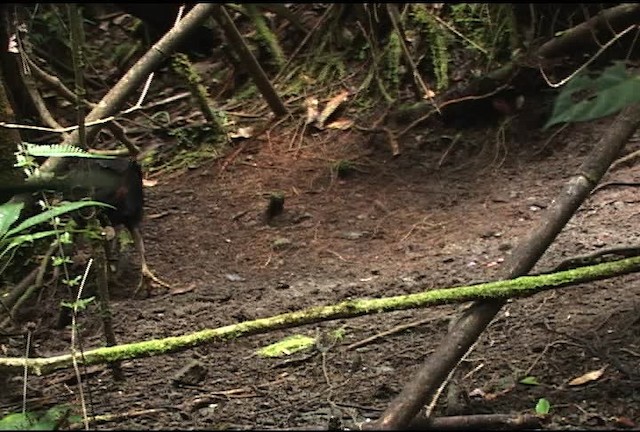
x=58 y=150
x=344 y=168
x=80 y=304
x=532 y=381
x=14 y=234
x=457 y=32
x=51 y=419
x=543 y=407
x=437 y=41
x=339 y=334
x=392 y=63
x=11 y=238
x=586 y=97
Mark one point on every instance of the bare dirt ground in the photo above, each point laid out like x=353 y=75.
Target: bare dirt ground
x=393 y=226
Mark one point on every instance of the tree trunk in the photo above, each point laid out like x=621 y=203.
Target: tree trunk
x=9 y=139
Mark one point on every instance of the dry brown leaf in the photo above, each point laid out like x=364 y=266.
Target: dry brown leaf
x=312 y=110
x=182 y=290
x=331 y=107
x=625 y=422
x=477 y=392
x=588 y=377
x=243 y=132
x=341 y=124
x=496 y=395
x=429 y=95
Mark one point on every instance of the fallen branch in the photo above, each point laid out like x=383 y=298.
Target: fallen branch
x=597 y=257
x=58 y=86
x=249 y=61
x=587 y=35
x=423 y=387
x=626 y=160
x=478 y=422
x=134 y=78
x=497 y=291
x=471 y=422
x=615 y=184
x=119 y=416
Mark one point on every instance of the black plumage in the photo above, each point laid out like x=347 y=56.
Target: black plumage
x=122 y=188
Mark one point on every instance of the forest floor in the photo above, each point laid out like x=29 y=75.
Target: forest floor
x=446 y=212
x=393 y=226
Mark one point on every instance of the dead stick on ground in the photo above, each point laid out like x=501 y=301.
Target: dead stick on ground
x=626 y=160
x=465 y=332
x=470 y=422
x=478 y=422
x=116 y=417
x=390 y=332
x=499 y=291
x=614 y=184
x=603 y=25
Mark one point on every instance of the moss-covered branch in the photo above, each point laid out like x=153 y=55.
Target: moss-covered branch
x=522 y=286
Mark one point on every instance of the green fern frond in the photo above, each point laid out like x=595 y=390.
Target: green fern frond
x=392 y=60
x=59 y=150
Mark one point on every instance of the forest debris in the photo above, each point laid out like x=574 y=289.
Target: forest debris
x=331 y=107
x=588 y=377
x=353 y=235
x=390 y=332
x=106 y=418
x=70 y=377
x=183 y=289
x=465 y=331
x=133 y=79
x=281 y=243
x=243 y=132
x=599 y=256
x=287 y=346
x=318 y=119
x=341 y=124
x=192 y=374
x=478 y=422
x=239 y=45
x=625 y=422
x=311 y=104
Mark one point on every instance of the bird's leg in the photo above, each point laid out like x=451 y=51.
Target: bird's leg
x=145 y=272
x=112 y=250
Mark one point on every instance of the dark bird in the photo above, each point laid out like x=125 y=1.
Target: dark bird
x=117 y=182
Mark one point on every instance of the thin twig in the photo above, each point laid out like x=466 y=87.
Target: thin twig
x=438 y=108
x=627 y=159
x=74 y=353
x=26 y=372
x=588 y=62
x=24 y=290
x=118 y=416
x=390 y=332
